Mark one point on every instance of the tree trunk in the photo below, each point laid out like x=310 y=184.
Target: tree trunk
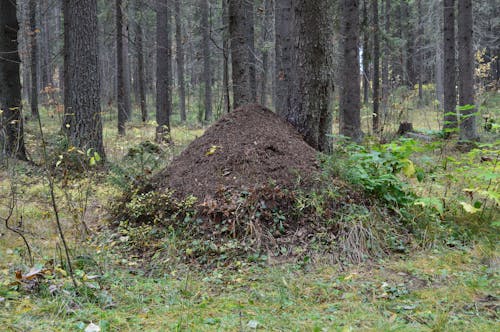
x=366 y=54
x=205 y=45
x=11 y=129
x=180 y=60
x=468 y=131
x=376 y=68
x=242 y=92
x=310 y=110
x=250 y=44
x=34 y=31
x=386 y=56
x=139 y=44
x=266 y=38
x=349 y=109
x=225 y=51
x=450 y=90
x=163 y=71
x=420 y=52
x=284 y=50
x=82 y=119
x=123 y=89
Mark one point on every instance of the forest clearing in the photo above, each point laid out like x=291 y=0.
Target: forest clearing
x=241 y=165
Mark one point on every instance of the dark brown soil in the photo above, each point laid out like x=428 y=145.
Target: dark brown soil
x=246 y=149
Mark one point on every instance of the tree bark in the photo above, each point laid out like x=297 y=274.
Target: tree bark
x=376 y=68
x=225 y=51
x=468 y=131
x=310 y=110
x=163 y=71
x=180 y=60
x=82 y=119
x=250 y=44
x=242 y=92
x=207 y=70
x=450 y=92
x=266 y=38
x=11 y=126
x=34 y=31
x=386 y=56
x=284 y=50
x=123 y=83
x=366 y=54
x=139 y=44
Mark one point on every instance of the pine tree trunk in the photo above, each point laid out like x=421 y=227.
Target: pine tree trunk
x=207 y=74
x=366 y=54
x=139 y=44
x=349 y=108
x=225 y=51
x=180 y=60
x=163 y=71
x=123 y=89
x=376 y=68
x=250 y=44
x=34 y=31
x=11 y=125
x=468 y=131
x=266 y=38
x=449 y=80
x=283 y=59
x=385 y=58
x=242 y=92
x=310 y=109
x=82 y=119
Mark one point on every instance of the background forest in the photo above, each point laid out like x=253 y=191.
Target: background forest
x=249 y=164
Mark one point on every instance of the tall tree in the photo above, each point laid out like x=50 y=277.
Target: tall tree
x=179 y=44
x=163 y=71
x=11 y=129
x=386 y=55
x=207 y=71
x=225 y=54
x=310 y=111
x=284 y=49
x=250 y=44
x=242 y=92
x=266 y=38
x=33 y=32
x=350 y=99
x=82 y=118
x=376 y=68
x=366 y=54
x=420 y=51
x=122 y=68
x=139 y=45
x=449 y=81
x=468 y=131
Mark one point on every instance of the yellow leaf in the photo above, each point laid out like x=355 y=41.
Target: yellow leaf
x=409 y=168
x=469 y=208
x=212 y=150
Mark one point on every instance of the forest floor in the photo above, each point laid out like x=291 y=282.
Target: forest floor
x=440 y=286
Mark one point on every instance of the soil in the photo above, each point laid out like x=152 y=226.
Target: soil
x=246 y=149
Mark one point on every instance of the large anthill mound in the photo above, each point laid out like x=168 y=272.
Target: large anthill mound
x=246 y=149
x=250 y=186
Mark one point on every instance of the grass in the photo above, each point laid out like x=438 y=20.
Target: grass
x=445 y=288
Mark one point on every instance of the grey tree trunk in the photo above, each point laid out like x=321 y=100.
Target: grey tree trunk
x=450 y=90
x=180 y=60
x=468 y=130
x=366 y=54
x=207 y=70
x=34 y=31
x=139 y=44
x=11 y=125
x=310 y=111
x=225 y=51
x=376 y=68
x=284 y=49
x=250 y=44
x=266 y=38
x=82 y=119
x=420 y=51
x=386 y=56
x=123 y=83
x=350 y=99
x=242 y=92
x=163 y=71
